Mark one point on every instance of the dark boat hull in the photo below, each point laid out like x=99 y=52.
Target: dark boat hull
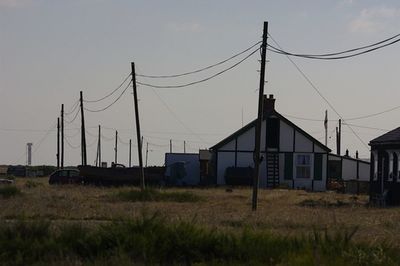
x=120 y=176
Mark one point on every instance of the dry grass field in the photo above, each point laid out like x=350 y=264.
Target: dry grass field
x=282 y=212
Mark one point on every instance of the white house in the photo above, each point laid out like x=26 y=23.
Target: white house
x=291 y=157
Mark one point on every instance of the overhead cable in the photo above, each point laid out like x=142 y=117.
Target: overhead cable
x=327 y=56
x=73 y=119
x=320 y=94
x=111 y=104
x=109 y=94
x=73 y=108
x=175 y=116
x=201 y=69
x=347 y=51
x=198 y=81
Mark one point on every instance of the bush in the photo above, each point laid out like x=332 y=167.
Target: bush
x=8 y=191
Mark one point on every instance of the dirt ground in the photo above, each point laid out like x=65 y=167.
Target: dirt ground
x=281 y=211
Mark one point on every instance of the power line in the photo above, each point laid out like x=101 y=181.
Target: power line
x=176 y=117
x=73 y=119
x=320 y=94
x=331 y=57
x=375 y=114
x=201 y=69
x=198 y=81
x=111 y=104
x=73 y=108
x=374 y=128
x=111 y=93
x=347 y=119
x=70 y=145
x=350 y=50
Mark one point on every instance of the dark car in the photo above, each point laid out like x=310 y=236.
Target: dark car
x=65 y=176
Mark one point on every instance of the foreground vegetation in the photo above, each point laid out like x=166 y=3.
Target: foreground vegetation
x=151 y=194
x=151 y=240
x=73 y=224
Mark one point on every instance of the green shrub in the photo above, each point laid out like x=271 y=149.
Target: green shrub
x=8 y=191
x=150 y=194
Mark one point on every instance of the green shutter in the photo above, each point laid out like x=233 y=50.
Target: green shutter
x=317 y=166
x=288 y=165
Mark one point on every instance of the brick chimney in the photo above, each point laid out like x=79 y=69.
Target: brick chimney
x=269 y=103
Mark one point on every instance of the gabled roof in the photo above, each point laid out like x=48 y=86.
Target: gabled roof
x=391 y=137
x=266 y=115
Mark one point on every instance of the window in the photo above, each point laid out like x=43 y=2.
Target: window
x=303 y=166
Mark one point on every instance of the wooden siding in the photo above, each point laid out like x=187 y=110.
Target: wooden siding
x=302 y=144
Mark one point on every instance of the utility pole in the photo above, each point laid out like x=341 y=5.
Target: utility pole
x=83 y=133
x=99 y=148
x=142 y=185
x=326 y=127
x=170 y=146
x=340 y=135
x=184 y=146
x=256 y=156
x=58 y=143
x=147 y=152
x=116 y=146
x=130 y=152
x=62 y=136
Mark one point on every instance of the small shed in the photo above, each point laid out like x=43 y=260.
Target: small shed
x=354 y=172
x=182 y=169
x=384 y=173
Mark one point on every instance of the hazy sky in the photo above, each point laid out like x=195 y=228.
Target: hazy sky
x=52 y=49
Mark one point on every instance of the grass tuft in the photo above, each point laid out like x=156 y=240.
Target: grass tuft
x=151 y=240
x=32 y=184
x=9 y=191
x=150 y=194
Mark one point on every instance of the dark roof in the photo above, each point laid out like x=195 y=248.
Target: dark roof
x=391 y=137
x=253 y=123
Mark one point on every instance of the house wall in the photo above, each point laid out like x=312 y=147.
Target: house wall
x=224 y=160
x=286 y=137
x=239 y=153
x=245 y=142
x=364 y=172
x=302 y=144
x=349 y=169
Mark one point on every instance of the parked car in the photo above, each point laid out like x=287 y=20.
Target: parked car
x=65 y=176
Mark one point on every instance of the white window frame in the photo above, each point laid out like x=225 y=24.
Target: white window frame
x=309 y=165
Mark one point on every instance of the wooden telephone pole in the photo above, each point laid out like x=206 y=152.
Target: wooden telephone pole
x=62 y=136
x=116 y=147
x=257 y=149
x=58 y=143
x=135 y=98
x=83 y=133
x=338 y=137
x=98 y=158
x=130 y=153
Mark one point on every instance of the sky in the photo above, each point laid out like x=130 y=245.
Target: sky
x=51 y=49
